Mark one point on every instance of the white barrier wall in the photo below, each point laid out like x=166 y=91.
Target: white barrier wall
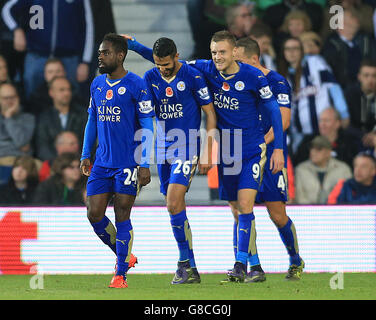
x=61 y=240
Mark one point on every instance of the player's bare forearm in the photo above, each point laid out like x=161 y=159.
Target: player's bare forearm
x=277 y=161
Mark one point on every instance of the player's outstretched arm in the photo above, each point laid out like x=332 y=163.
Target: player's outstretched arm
x=89 y=140
x=205 y=162
x=147 y=53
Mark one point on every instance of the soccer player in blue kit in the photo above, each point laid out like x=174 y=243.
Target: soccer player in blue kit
x=179 y=94
x=239 y=92
x=274 y=186
x=120 y=105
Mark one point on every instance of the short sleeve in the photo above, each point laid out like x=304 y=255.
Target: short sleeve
x=262 y=86
x=282 y=93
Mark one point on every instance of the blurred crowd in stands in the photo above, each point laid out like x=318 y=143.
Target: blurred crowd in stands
x=329 y=58
x=45 y=76
x=47 y=62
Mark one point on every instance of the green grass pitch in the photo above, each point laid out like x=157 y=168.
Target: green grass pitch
x=313 y=286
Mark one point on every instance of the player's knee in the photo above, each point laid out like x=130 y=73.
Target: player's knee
x=94 y=214
x=174 y=206
x=279 y=219
x=245 y=206
x=234 y=210
x=122 y=212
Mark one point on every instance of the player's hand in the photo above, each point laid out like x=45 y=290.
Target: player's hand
x=85 y=167
x=127 y=36
x=277 y=161
x=144 y=176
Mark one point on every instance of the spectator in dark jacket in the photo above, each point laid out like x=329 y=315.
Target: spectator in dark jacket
x=65 y=186
x=24 y=180
x=346 y=48
x=362 y=188
x=14 y=58
x=63 y=116
x=66 y=31
x=361 y=99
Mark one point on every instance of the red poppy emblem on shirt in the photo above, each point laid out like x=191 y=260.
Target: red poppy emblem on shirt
x=169 y=92
x=225 y=86
x=109 y=94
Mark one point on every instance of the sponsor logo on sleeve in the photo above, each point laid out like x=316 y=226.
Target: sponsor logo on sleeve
x=204 y=93
x=265 y=92
x=145 y=106
x=283 y=99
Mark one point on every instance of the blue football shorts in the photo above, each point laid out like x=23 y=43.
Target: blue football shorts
x=273 y=186
x=248 y=175
x=178 y=171
x=112 y=180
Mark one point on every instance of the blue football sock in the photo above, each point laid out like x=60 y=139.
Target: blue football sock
x=290 y=240
x=253 y=257
x=124 y=241
x=245 y=226
x=235 y=238
x=106 y=231
x=182 y=234
x=253 y=260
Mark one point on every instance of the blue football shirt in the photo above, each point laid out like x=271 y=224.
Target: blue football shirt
x=238 y=99
x=117 y=106
x=178 y=104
